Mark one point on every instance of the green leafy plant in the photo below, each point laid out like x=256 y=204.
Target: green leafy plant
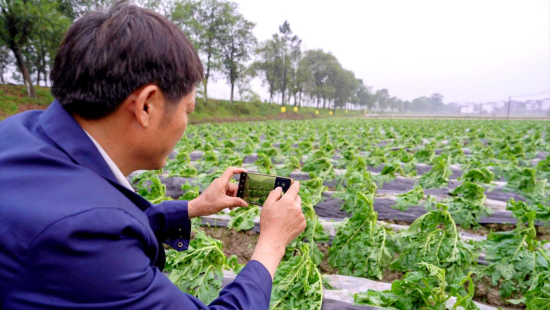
x=357 y=182
x=140 y=179
x=480 y=175
x=433 y=238
x=313 y=234
x=181 y=166
x=376 y=157
x=467 y=206
x=524 y=180
x=243 y=218
x=155 y=192
x=422 y=289
x=298 y=284
x=426 y=155
x=515 y=257
x=190 y=192
x=361 y=246
x=313 y=188
x=537 y=296
x=320 y=166
x=439 y=176
x=264 y=164
x=409 y=199
x=543 y=169
x=198 y=271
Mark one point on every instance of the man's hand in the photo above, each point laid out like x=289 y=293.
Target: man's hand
x=281 y=222
x=217 y=196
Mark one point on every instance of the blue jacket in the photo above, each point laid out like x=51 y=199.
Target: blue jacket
x=71 y=237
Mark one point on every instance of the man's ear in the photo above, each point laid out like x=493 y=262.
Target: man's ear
x=144 y=103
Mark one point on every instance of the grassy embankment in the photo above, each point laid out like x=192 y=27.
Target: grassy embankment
x=13 y=100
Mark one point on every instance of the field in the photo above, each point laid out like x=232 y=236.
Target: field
x=447 y=211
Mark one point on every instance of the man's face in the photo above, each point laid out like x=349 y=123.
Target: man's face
x=170 y=129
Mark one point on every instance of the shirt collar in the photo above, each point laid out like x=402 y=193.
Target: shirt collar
x=114 y=168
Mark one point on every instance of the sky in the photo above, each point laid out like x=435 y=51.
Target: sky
x=469 y=51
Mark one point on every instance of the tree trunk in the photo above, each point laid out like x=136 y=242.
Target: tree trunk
x=205 y=91
x=232 y=89
x=23 y=67
x=2 y=73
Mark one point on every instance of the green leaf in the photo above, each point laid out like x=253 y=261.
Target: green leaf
x=298 y=284
x=243 y=218
x=198 y=271
x=409 y=199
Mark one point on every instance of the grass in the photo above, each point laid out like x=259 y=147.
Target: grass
x=13 y=100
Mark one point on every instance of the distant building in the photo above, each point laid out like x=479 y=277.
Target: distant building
x=501 y=107
x=545 y=104
x=539 y=104
x=467 y=108
x=531 y=105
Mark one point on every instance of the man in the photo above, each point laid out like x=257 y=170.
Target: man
x=73 y=233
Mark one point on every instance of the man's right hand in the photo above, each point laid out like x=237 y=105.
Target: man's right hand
x=281 y=222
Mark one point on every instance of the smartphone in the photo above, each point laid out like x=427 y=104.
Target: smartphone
x=255 y=187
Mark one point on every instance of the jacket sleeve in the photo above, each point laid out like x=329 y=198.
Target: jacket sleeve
x=170 y=223
x=99 y=259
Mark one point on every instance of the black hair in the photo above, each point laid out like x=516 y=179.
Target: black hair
x=106 y=55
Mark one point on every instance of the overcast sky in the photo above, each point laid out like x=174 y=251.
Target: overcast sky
x=469 y=51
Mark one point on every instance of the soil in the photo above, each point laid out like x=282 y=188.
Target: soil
x=391 y=275
x=487 y=293
x=239 y=243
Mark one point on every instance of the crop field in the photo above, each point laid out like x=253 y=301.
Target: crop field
x=401 y=214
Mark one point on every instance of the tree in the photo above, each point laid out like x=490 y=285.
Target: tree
x=236 y=47
x=301 y=80
x=382 y=98
x=278 y=64
x=346 y=86
x=437 y=101
x=45 y=40
x=399 y=105
x=265 y=67
x=243 y=87
x=290 y=54
x=323 y=68
x=206 y=23
x=17 y=23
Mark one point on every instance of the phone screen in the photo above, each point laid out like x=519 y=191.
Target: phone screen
x=254 y=188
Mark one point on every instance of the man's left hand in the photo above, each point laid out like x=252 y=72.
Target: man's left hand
x=220 y=194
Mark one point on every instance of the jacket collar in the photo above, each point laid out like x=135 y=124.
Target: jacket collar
x=63 y=129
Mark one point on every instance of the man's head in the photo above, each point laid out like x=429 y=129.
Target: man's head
x=132 y=72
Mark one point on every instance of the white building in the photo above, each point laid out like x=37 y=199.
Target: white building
x=468 y=108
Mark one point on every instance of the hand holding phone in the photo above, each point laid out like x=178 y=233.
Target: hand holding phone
x=220 y=194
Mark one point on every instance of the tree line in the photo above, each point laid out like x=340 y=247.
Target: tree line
x=31 y=32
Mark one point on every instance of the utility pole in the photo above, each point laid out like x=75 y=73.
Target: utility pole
x=509 y=102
